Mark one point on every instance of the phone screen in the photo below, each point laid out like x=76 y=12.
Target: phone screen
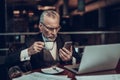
x=67 y=45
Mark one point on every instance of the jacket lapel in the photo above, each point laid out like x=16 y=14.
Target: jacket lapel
x=59 y=42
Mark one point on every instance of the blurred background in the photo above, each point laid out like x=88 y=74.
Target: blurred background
x=89 y=22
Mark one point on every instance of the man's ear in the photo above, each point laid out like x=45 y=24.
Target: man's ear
x=40 y=27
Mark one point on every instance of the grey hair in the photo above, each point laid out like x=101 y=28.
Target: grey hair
x=48 y=13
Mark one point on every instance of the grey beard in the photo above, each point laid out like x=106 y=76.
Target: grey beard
x=49 y=39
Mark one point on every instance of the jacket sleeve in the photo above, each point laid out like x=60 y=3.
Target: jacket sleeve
x=13 y=57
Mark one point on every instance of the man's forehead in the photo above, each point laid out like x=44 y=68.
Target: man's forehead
x=49 y=19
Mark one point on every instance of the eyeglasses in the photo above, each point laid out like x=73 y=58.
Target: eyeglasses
x=51 y=29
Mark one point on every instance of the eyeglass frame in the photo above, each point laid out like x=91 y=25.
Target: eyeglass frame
x=51 y=29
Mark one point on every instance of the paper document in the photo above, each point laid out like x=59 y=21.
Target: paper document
x=41 y=76
x=99 y=77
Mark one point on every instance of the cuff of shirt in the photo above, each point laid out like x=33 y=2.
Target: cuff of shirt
x=73 y=60
x=24 y=55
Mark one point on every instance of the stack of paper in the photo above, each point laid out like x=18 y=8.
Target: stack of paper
x=99 y=77
x=41 y=76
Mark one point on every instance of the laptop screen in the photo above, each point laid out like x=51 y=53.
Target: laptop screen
x=99 y=57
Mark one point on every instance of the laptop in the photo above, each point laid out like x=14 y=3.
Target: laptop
x=97 y=58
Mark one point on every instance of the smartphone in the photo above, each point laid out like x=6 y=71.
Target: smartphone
x=68 y=44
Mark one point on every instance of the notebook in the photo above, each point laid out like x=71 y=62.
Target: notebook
x=97 y=58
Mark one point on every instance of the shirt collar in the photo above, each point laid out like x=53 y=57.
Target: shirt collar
x=44 y=38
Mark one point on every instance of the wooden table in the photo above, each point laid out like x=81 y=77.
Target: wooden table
x=72 y=75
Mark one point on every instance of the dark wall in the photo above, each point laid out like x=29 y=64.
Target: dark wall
x=2 y=22
x=3 y=74
x=88 y=21
x=113 y=16
x=2 y=16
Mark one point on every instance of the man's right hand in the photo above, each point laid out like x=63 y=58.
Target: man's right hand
x=35 y=48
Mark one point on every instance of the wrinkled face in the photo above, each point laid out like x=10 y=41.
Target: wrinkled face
x=50 y=28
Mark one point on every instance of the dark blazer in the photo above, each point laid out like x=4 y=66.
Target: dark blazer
x=38 y=60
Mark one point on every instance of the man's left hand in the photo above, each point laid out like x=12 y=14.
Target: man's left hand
x=65 y=54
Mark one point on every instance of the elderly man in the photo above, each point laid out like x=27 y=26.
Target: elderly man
x=45 y=48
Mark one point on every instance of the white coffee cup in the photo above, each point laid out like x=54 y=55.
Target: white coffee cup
x=49 y=45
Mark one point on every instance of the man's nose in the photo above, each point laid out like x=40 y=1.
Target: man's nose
x=54 y=31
